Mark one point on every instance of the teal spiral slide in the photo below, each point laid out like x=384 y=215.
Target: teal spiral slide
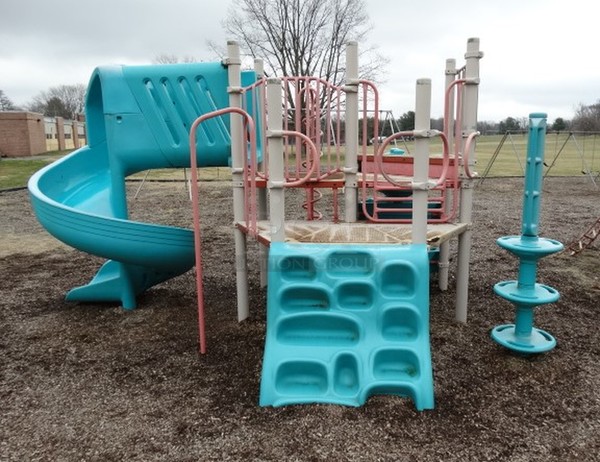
x=138 y=118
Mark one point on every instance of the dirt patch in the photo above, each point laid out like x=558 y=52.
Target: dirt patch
x=94 y=382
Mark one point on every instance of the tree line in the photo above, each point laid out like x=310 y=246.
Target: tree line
x=65 y=101
x=68 y=101
x=586 y=119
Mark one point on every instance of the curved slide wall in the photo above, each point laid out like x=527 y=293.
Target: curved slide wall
x=138 y=118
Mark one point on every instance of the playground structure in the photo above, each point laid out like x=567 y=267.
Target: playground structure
x=525 y=293
x=347 y=308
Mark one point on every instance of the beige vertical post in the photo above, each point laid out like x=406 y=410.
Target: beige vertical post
x=263 y=214
x=351 y=161
x=60 y=133
x=470 y=100
x=421 y=160
x=75 y=133
x=276 y=166
x=237 y=172
x=444 y=260
x=81 y=119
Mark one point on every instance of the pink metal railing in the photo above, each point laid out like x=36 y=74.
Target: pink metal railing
x=313 y=126
x=467 y=153
x=384 y=181
x=256 y=94
x=391 y=183
x=312 y=151
x=249 y=197
x=303 y=102
x=314 y=159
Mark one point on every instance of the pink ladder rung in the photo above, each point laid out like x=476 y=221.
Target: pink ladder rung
x=586 y=239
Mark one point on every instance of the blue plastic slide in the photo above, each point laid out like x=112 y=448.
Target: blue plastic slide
x=138 y=118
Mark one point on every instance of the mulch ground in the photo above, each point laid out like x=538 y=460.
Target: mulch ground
x=94 y=382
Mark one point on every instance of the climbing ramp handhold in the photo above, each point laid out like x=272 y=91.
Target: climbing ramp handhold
x=345 y=323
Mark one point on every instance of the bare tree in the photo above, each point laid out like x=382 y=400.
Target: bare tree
x=587 y=118
x=64 y=101
x=304 y=37
x=5 y=103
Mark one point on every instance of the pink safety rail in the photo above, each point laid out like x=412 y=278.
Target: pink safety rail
x=314 y=120
x=250 y=201
x=389 y=174
x=458 y=84
x=313 y=128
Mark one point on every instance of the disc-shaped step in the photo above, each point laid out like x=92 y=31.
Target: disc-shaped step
x=528 y=247
x=539 y=295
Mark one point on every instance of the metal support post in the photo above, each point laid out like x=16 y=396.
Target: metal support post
x=237 y=163
x=444 y=259
x=263 y=213
x=470 y=99
x=276 y=166
x=351 y=161
x=421 y=160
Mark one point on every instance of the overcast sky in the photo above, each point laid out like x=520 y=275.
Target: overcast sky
x=540 y=55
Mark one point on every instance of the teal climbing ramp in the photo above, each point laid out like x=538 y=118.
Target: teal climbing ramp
x=346 y=322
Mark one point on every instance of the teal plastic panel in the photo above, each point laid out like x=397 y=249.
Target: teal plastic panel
x=525 y=293
x=346 y=322
x=138 y=118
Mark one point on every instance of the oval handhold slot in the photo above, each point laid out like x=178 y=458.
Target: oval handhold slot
x=355 y=295
x=398 y=389
x=396 y=364
x=400 y=324
x=345 y=377
x=398 y=280
x=297 y=268
x=301 y=297
x=349 y=263
x=318 y=330
x=301 y=378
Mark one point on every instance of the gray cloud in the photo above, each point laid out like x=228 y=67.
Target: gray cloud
x=529 y=60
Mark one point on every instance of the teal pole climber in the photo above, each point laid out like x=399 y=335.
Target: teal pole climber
x=525 y=293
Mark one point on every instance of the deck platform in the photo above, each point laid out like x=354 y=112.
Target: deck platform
x=356 y=233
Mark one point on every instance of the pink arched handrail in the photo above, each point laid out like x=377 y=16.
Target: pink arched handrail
x=378 y=157
x=447 y=105
x=259 y=102
x=249 y=123
x=459 y=82
x=445 y=157
x=312 y=91
x=314 y=157
x=368 y=85
x=467 y=153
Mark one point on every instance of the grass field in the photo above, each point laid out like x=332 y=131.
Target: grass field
x=578 y=154
x=14 y=173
